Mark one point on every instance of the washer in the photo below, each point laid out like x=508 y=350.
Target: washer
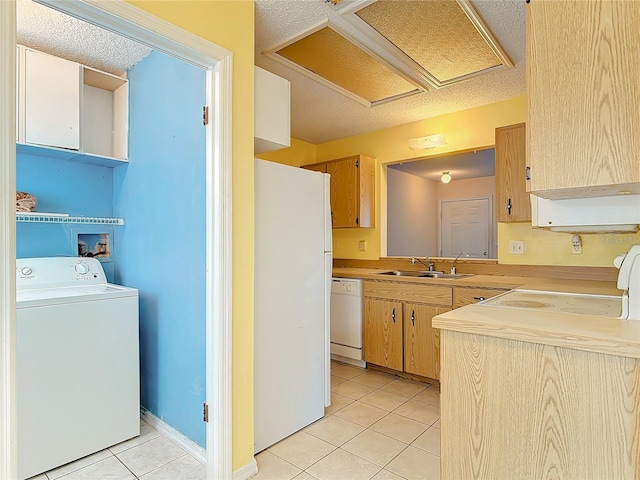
x=77 y=365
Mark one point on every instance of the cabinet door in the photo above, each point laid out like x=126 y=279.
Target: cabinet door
x=344 y=192
x=582 y=97
x=318 y=167
x=383 y=333
x=512 y=199
x=52 y=101
x=421 y=340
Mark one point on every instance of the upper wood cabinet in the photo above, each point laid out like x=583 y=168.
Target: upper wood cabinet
x=318 y=167
x=352 y=190
x=512 y=199
x=583 y=91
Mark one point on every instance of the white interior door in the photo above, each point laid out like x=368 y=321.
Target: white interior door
x=465 y=227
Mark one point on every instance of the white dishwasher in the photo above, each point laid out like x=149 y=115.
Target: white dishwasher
x=346 y=321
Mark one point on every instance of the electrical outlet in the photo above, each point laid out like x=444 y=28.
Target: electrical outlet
x=362 y=245
x=516 y=247
x=576 y=245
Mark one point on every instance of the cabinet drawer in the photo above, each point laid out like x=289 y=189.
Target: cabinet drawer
x=430 y=294
x=467 y=296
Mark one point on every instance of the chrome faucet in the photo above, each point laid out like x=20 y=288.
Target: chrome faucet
x=429 y=266
x=453 y=264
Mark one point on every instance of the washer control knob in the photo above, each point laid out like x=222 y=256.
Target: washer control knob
x=26 y=270
x=82 y=268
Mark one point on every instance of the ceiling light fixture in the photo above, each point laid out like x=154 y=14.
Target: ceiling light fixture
x=430 y=141
x=445 y=178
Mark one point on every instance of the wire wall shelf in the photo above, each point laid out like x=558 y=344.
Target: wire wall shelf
x=63 y=218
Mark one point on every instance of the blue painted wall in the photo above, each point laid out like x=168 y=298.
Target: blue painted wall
x=161 y=249
x=63 y=186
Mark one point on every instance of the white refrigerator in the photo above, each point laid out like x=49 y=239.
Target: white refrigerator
x=293 y=262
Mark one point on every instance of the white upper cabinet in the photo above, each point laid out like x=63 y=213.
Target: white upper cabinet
x=80 y=112
x=52 y=101
x=105 y=113
x=272 y=112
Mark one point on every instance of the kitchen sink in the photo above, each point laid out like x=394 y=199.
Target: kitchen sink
x=408 y=273
x=426 y=274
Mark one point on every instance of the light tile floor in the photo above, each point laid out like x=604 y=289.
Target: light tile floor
x=150 y=456
x=378 y=427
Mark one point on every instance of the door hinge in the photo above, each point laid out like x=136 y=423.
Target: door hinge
x=205 y=115
x=205 y=412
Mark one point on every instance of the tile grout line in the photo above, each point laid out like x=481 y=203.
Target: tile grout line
x=407 y=399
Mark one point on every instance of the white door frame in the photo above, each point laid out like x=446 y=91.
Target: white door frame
x=129 y=21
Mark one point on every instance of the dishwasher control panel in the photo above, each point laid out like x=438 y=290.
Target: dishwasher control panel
x=346 y=286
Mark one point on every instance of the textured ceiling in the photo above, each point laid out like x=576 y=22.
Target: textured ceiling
x=319 y=114
x=50 y=31
x=480 y=163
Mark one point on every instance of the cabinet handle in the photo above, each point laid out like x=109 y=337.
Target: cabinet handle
x=509 y=207
x=413 y=318
x=357 y=221
x=479 y=298
x=393 y=315
x=527 y=170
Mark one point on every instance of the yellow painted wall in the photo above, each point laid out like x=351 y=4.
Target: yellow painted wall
x=543 y=247
x=299 y=153
x=230 y=24
x=467 y=129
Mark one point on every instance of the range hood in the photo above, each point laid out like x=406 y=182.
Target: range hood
x=587 y=215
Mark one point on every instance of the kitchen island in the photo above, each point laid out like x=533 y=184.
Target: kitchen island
x=528 y=394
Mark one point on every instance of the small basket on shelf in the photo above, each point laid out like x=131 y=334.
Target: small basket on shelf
x=25 y=202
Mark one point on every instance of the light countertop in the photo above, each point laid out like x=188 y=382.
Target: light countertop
x=583 y=332
x=488 y=281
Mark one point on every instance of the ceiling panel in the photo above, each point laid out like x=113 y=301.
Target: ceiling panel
x=333 y=57
x=437 y=35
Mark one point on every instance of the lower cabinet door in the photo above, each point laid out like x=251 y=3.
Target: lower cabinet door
x=421 y=340
x=383 y=333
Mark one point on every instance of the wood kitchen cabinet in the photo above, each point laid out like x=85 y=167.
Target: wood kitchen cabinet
x=317 y=167
x=352 y=190
x=421 y=340
x=512 y=198
x=582 y=96
x=397 y=326
x=383 y=332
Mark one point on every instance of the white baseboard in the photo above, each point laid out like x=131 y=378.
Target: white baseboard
x=246 y=471
x=195 y=450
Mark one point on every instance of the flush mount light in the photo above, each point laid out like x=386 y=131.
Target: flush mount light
x=430 y=141
x=445 y=178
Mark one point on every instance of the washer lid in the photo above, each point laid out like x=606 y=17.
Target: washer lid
x=82 y=293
